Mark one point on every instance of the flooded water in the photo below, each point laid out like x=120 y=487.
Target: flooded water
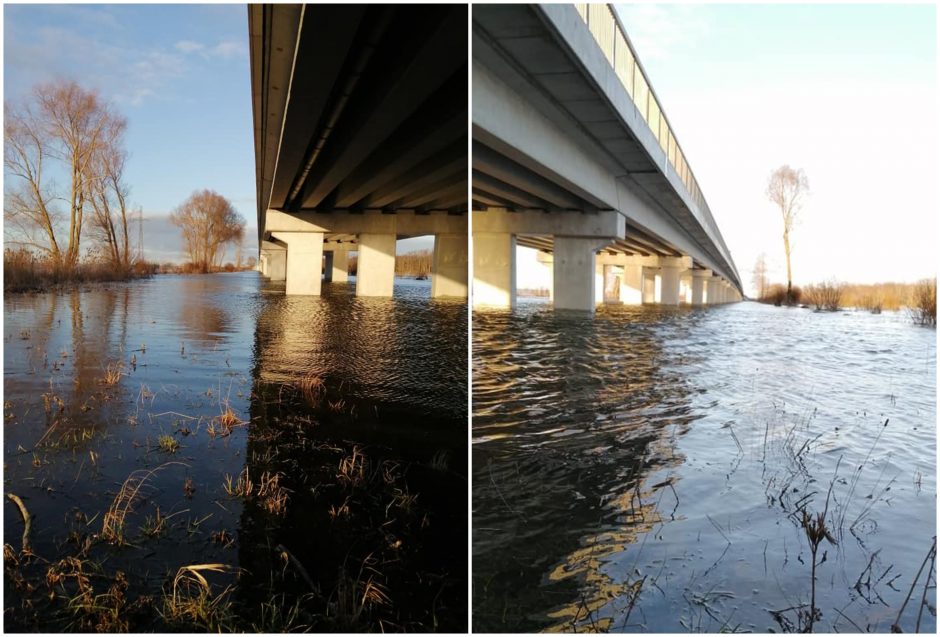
x=648 y=470
x=308 y=452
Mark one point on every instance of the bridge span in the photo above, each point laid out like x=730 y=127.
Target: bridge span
x=574 y=156
x=360 y=121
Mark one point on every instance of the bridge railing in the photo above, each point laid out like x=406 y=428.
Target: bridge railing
x=610 y=35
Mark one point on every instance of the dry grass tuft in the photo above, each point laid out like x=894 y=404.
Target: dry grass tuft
x=112 y=524
x=267 y=492
x=113 y=374
x=191 y=602
x=167 y=443
x=354 y=600
x=312 y=388
x=924 y=303
x=825 y=296
x=352 y=468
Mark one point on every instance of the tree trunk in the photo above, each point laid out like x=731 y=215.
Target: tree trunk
x=786 y=249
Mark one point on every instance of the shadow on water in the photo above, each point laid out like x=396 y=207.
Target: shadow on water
x=648 y=469
x=203 y=453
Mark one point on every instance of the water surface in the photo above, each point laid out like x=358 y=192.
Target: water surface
x=647 y=469
x=347 y=418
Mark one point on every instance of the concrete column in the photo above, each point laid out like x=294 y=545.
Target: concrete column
x=304 y=257
x=670 y=285
x=263 y=264
x=671 y=268
x=339 y=272
x=375 y=274
x=277 y=265
x=327 y=267
x=712 y=291
x=685 y=287
x=631 y=289
x=575 y=276
x=494 y=269
x=449 y=266
x=699 y=278
x=651 y=285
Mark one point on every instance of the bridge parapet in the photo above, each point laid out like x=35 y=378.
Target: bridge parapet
x=611 y=38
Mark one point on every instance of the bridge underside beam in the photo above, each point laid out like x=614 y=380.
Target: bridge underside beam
x=402 y=224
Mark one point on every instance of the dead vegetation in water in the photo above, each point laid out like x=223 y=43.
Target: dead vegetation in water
x=267 y=492
x=192 y=603
x=355 y=598
x=826 y=296
x=352 y=468
x=923 y=309
x=113 y=374
x=115 y=518
x=312 y=388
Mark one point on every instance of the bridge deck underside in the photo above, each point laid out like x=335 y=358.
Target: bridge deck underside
x=360 y=107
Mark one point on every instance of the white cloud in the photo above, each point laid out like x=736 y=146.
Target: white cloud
x=229 y=49
x=127 y=75
x=188 y=46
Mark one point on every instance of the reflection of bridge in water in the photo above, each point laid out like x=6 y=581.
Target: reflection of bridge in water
x=392 y=403
x=360 y=139
x=574 y=156
x=575 y=429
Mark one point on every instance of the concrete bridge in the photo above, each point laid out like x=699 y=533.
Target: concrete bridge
x=574 y=156
x=360 y=119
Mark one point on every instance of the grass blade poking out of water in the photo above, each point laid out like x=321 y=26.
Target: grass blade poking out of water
x=112 y=525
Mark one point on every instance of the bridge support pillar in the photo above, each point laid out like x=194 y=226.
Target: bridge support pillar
x=277 y=265
x=302 y=262
x=711 y=291
x=494 y=270
x=685 y=287
x=375 y=273
x=327 y=267
x=449 y=266
x=337 y=266
x=652 y=285
x=699 y=279
x=575 y=277
x=670 y=270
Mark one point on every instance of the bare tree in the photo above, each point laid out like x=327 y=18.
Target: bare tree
x=759 y=275
x=208 y=222
x=68 y=123
x=108 y=193
x=28 y=204
x=786 y=188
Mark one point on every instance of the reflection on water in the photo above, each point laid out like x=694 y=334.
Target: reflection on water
x=316 y=446
x=645 y=470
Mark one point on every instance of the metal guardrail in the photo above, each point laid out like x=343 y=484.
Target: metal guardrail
x=610 y=35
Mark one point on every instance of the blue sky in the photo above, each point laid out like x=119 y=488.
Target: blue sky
x=178 y=73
